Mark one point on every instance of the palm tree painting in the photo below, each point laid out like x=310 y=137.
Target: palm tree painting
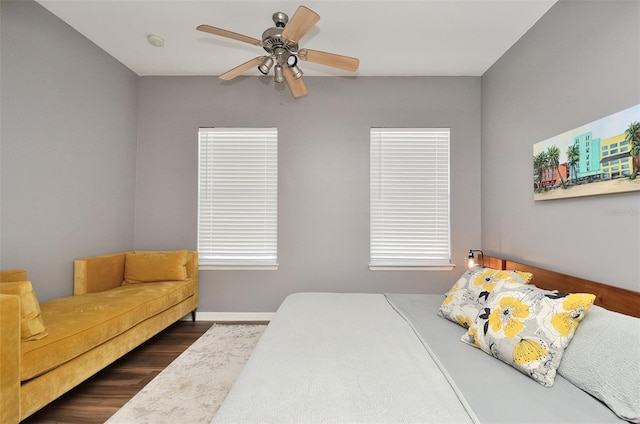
x=573 y=156
x=632 y=136
x=540 y=163
x=553 y=155
x=600 y=157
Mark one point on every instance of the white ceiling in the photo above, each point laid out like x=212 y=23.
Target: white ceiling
x=403 y=38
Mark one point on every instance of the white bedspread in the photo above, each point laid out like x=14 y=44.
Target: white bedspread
x=341 y=358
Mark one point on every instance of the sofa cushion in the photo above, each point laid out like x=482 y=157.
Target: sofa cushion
x=76 y=324
x=31 y=323
x=151 y=266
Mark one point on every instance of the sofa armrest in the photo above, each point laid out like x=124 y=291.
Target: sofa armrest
x=98 y=273
x=9 y=358
x=192 y=265
x=13 y=276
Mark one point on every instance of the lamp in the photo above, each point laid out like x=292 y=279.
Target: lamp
x=266 y=65
x=296 y=72
x=292 y=63
x=471 y=259
x=278 y=74
x=292 y=60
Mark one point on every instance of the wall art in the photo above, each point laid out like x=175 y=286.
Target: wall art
x=601 y=157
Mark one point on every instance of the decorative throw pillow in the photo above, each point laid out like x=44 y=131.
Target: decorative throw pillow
x=31 y=323
x=602 y=360
x=151 y=266
x=465 y=299
x=528 y=328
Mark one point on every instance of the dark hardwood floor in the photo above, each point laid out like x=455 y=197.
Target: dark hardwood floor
x=95 y=400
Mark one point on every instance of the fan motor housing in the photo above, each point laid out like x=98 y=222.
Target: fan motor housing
x=272 y=37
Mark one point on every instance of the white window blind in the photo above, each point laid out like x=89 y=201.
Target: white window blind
x=238 y=197
x=409 y=214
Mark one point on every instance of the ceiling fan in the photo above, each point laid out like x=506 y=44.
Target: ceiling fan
x=281 y=44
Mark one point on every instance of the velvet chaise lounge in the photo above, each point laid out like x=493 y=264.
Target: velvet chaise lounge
x=120 y=300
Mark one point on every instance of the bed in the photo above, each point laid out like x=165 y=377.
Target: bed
x=399 y=358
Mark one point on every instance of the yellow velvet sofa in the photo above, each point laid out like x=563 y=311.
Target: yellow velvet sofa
x=120 y=300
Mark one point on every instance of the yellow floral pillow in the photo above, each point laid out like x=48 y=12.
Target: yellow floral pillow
x=528 y=328
x=470 y=293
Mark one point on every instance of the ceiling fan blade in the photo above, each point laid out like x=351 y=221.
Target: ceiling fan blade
x=300 y=23
x=330 y=59
x=297 y=87
x=240 y=69
x=229 y=34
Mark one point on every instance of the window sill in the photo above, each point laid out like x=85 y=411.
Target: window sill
x=238 y=267
x=398 y=267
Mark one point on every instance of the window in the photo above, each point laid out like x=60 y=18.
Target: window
x=409 y=196
x=237 y=198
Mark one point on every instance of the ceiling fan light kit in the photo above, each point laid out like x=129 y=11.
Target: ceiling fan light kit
x=266 y=65
x=281 y=44
x=278 y=74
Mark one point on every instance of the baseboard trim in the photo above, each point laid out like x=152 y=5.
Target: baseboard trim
x=232 y=316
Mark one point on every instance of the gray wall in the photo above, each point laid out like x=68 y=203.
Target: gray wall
x=323 y=233
x=75 y=182
x=67 y=163
x=579 y=63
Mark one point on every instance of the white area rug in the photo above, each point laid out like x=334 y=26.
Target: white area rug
x=192 y=388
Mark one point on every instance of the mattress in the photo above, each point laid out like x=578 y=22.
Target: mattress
x=373 y=358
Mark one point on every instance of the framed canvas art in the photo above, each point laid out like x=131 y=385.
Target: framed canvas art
x=601 y=157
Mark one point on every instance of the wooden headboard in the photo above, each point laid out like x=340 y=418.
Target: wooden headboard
x=610 y=297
